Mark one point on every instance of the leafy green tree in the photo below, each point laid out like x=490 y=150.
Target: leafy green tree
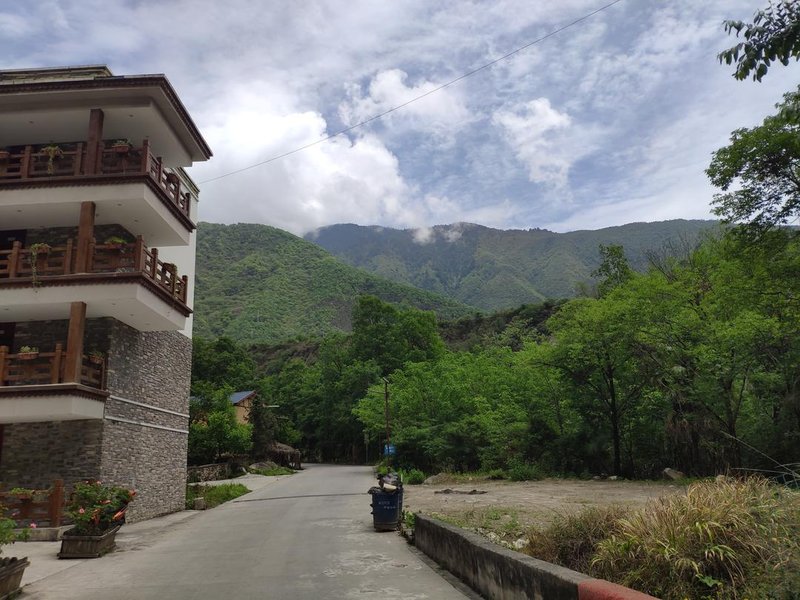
x=759 y=173
x=594 y=348
x=214 y=432
x=222 y=362
x=391 y=336
x=774 y=35
x=614 y=269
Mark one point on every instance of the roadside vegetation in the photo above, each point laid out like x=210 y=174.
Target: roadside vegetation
x=721 y=539
x=214 y=494
x=273 y=472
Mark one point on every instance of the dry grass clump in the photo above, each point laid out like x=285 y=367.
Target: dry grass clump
x=571 y=540
x=717 y=541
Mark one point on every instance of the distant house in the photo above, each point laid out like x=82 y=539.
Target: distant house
x=243 y=402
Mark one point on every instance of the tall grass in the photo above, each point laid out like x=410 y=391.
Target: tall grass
x=733 y=538
x=710 y=542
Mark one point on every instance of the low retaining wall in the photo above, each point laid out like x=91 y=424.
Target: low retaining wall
x=502 y=574
x=208 y=472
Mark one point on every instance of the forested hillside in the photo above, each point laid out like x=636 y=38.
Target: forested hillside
x=256 y=283
x=495 y=269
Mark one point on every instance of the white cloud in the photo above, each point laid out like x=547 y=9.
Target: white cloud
x=533 y=132
x=439 y=114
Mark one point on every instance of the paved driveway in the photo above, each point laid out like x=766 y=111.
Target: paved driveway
x=307 y=535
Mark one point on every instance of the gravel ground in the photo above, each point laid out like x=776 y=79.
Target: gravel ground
x=510 y=509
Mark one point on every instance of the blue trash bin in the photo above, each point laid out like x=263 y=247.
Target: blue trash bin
x=386 y=509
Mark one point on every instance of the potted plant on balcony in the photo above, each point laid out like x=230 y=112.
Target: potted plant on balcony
x=96 y=357
x=11 y=568
x=4 y=154
x=98 y=511
x=53 y=152
x=121 y=146
x=116 y=242
x=28 y=353
x=38 y=252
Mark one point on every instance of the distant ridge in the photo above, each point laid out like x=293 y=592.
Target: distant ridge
x=496 y=269
x=256 y=283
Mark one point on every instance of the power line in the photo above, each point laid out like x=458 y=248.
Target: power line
x=416 y=98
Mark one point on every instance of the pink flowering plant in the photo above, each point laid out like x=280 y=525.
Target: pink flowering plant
x=8 y=535
x=96 y=508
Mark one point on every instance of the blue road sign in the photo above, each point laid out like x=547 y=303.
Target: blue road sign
x=389 y=450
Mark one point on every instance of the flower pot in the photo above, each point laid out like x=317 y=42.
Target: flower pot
x=27 y=355
x=96 y=360
x=172 y=178
x=87 y=546
x=11 y=570
x=122 y=149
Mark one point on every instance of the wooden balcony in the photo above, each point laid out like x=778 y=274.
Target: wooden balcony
x=47 y=368
x=105 y=263
x=80 y=164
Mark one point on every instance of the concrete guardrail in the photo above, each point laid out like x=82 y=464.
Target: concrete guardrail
x=499 y=573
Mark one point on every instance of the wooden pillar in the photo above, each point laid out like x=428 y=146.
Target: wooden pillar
x=85 y=236
x=93 y=141
x=77 y=325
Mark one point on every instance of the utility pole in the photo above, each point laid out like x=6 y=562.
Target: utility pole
x=386 y=414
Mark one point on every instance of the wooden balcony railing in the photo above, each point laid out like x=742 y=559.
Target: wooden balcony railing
x=43 y=265
x=43 y=507
x=44 y=368
x=56 y=162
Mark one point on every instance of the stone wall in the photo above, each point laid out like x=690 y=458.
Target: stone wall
x=141 y=443
x=58 y=236
x=211 y=472
x=146 y=421
x=35 y=454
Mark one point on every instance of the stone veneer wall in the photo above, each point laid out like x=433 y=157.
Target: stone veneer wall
x=35 y=454
x=143 y=440
x=145 y=437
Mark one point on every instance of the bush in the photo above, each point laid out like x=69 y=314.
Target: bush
x=214 y=494
x=413 y=477
x=571 y=541
x=714 y=541
x=273 y=472
x=520 y=471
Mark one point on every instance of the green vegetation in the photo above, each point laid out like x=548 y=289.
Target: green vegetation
x=493 y=269
x=412 y=476
x=259 y=284
x=273 y=472
x=721 y=539
x=214 y=494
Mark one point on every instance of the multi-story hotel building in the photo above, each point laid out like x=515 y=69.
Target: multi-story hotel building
x=97 y=250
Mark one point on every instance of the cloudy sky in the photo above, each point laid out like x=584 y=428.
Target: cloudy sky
x=610 y=121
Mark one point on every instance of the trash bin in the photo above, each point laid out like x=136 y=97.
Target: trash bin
x=386 y=509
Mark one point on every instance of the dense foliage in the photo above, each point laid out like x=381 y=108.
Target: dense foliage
x=721 y=539
x=258 y=284
x=493 y=269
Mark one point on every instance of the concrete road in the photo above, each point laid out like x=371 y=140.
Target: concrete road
x=308 y=535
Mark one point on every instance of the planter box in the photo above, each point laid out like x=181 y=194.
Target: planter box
x=11 y=570
x=87 y=546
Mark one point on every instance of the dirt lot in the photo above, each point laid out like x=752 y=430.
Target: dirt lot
x=509 y=509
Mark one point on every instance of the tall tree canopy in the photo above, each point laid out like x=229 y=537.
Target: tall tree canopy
x=759 y=173
x=774 y=35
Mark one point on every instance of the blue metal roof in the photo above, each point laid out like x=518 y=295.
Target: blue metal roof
x=237 y=397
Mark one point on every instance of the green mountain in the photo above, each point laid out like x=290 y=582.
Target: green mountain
x=495 y=269
x=255 y=283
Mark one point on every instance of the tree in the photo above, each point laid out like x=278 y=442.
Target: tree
x=214 y=432
x=614 y=268
x=773 y=35
x=762 y=164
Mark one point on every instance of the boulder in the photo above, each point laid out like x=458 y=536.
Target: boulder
x=672 y=474
x=435 y=479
